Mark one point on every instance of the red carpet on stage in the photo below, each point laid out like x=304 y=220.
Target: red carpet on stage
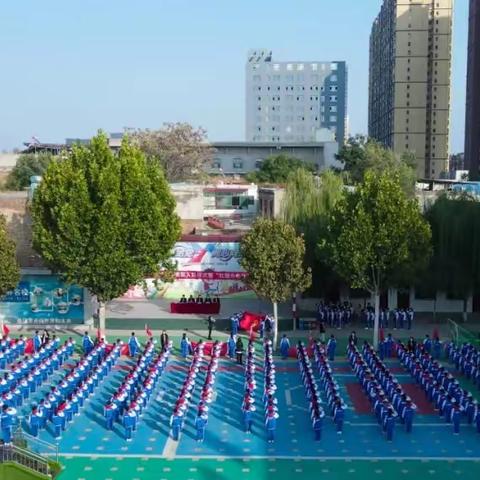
x=359 y=399
x=415 y=392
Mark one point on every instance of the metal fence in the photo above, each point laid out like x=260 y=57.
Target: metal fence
x=25 y=458
x=25 y=441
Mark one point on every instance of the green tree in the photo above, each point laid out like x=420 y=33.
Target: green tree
x=361 y=154
x=28 y=165
x=307 y=205
x=180 y=149
x=273 y=254
x=455 y=264
x=378 y=234
x=277 y=168
x=105 y=221
x=9 y=270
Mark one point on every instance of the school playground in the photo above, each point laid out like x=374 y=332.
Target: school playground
x=90 y=452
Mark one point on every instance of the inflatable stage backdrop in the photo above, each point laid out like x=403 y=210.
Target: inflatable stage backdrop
x=202 y=268
x=42 y=299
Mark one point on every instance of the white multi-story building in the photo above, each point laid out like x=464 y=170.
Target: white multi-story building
x=293 y=101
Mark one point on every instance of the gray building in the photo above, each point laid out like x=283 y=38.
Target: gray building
x=239 y=158
x=292 y=101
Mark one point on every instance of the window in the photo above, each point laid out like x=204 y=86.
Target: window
x=334 y=66
x=237 y=163
x=333 y=78
x=216 y=163
x=333 y=98
x=333 y=108
x=333 y=88
x=314 y=67
x=300 y=66
x=289 y=66
x=333 y=118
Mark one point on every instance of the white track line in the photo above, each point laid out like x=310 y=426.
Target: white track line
x=267 y=457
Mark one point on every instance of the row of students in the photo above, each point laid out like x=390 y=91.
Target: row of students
x=10 y=350
x=69 y=394
x=250 y=385
x=382 y=408
x=207 y=299
x=311 y=391
x=177 y=420
x=125 y=393
x=144 y=392
x=269 y=400
x=402 y=403
x=329 y=386
x=27 y=376
x=466 y=359
x=206 y=395
x=441 y=388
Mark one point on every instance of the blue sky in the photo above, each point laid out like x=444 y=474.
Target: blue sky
x=71 y=67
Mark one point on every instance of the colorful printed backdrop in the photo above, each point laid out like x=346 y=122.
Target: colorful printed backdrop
x=203 y=268
x=42 y=299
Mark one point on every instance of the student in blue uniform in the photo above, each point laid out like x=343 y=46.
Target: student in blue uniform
x=200 y=424
x=184 y=346
x=284 y=346
x=248 y=417
x=129 y=423
x=87 y=344
x=407 y=415
x=231 y=346
x=271 y=424
x=133 y=345
x=317 y=422
x=176 y=423
x=234 y=324
x=37 y=341
x=58 y=420
x=339 y=416
x=456 y=414
x=6 y=423
x=34 y=422
x=389 y=425
x=331 y=346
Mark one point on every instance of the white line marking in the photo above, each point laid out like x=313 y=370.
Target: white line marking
x=278 y=457
x=288 y=397
x=170 y=448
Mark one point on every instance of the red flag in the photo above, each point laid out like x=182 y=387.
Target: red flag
x=252 y=334
x=6 y=330
x=124 y=350
x=148 y=331
x=250 y=320
x=29 y=346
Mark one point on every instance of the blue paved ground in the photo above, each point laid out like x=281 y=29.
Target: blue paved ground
x=362 y=437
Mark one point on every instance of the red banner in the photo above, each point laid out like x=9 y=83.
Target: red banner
x=208 y=348
x=251 y=321
x=194 y=275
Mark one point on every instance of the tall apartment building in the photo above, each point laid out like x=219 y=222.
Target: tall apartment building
x=292 y=101
x=409 y=91
x=472 y=123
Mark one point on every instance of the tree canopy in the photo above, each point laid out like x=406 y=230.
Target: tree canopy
x=273 y=254
x=455 y=265
x=9 y=269
x=105 y=221
x=308 y=203
x=378 y=235
x=277 y=168
x=180 y=149
x=361 y=154
x=28 y=165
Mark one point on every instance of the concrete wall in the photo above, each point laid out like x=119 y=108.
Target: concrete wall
x=13 y=205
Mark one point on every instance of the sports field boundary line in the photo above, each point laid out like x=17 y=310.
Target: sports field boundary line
x=269 y=457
